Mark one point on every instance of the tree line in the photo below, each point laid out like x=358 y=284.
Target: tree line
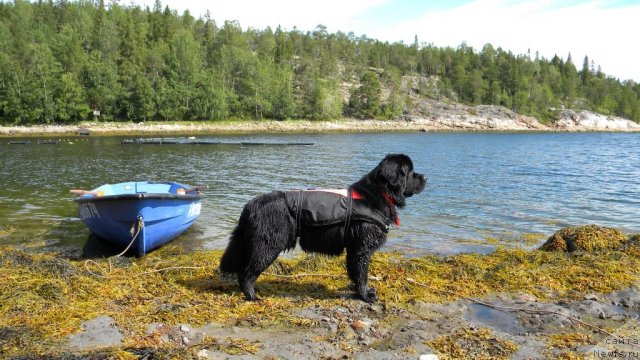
x=62 y=62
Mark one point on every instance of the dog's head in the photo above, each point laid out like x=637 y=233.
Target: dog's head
x=396 y=176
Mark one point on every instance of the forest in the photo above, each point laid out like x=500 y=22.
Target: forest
x=69 y=61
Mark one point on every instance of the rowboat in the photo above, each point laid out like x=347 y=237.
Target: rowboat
x=139 y=215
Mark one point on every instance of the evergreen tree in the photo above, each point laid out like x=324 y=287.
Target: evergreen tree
x=364 y=102
x=61 y=60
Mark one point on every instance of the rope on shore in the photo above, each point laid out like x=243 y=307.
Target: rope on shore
x=374 y=278
x=532 y=311
x=173 y=268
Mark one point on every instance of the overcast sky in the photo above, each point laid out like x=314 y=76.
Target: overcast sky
x=607 y=31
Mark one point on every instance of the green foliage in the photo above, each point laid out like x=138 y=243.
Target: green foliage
x=364 y=102
x=61 y=60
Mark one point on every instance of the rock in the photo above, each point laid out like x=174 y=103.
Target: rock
x=83 y=132
x=361 y=326
x=602 y=315
x=525 y=298
x=153 y=327
x=590 y=121
x=587 y=238
x=99 y=332
x=203 y=353
x=428 y=357
x=591 y=297
x=185 y=340
x=184 y=328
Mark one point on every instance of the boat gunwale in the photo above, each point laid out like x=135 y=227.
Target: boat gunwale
x=139 y=196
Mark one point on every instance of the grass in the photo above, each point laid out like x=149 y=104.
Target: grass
x=45 y=298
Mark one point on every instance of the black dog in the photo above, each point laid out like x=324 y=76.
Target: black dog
x=325 y=221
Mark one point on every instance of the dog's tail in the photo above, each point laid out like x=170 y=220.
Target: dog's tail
x=235 y=258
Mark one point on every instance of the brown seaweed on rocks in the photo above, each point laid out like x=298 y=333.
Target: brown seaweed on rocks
x=586 y=238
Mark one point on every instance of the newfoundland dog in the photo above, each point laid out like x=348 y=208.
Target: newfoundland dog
x=323 y=221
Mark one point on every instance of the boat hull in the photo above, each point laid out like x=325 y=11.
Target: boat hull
x=152 y=219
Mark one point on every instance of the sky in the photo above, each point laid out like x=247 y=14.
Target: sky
x=604 y=30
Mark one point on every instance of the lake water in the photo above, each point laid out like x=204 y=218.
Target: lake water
x=480 y=185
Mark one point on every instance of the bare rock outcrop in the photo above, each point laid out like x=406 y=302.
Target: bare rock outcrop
x=583 y=120
x=455 y=116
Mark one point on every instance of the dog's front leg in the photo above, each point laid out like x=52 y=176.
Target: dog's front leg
x=358 y=268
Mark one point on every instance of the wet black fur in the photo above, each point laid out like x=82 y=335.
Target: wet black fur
x=266 y=228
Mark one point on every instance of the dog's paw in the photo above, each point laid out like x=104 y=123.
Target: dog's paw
x=250 y=296
x=370 y=296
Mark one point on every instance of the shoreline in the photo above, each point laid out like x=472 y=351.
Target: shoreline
x=279 y=127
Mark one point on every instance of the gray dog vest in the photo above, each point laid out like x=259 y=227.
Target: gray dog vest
x=313 y=208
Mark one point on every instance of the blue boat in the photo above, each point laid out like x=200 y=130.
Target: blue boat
x=139 y=215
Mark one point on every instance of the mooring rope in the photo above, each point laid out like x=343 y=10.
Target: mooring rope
x=102 y=275
x=375 y=278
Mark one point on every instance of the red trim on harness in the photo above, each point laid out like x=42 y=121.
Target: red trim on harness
x=356 y=195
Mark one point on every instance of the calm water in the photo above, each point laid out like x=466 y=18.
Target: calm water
x=480 y=184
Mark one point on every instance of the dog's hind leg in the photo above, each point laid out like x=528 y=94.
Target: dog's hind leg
x=263 y=256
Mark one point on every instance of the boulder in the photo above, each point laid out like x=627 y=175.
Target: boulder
x=83 y=131
x=585 y=238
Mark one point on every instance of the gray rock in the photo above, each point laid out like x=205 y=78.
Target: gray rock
x=99 y=332
x=592 y=297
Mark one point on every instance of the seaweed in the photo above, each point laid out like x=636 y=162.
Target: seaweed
x=44 y=298
x=570 y=341
x=473 y=344
x=6 y=230
x=585 y=238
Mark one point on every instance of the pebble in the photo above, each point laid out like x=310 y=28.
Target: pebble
x=591 y=297
x=185 y=340
x=361 y=326
x=203 y=353
x=184 y=328
x=602 y=315
x=429 y=357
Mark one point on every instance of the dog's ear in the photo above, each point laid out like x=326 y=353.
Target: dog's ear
x=392 y=175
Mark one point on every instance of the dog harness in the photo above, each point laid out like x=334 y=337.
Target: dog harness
x=323 y=207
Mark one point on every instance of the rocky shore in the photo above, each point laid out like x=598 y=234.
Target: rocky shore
x=430 y=115
x=575 y=297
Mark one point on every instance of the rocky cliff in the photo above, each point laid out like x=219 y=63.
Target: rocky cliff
x=589 y=121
